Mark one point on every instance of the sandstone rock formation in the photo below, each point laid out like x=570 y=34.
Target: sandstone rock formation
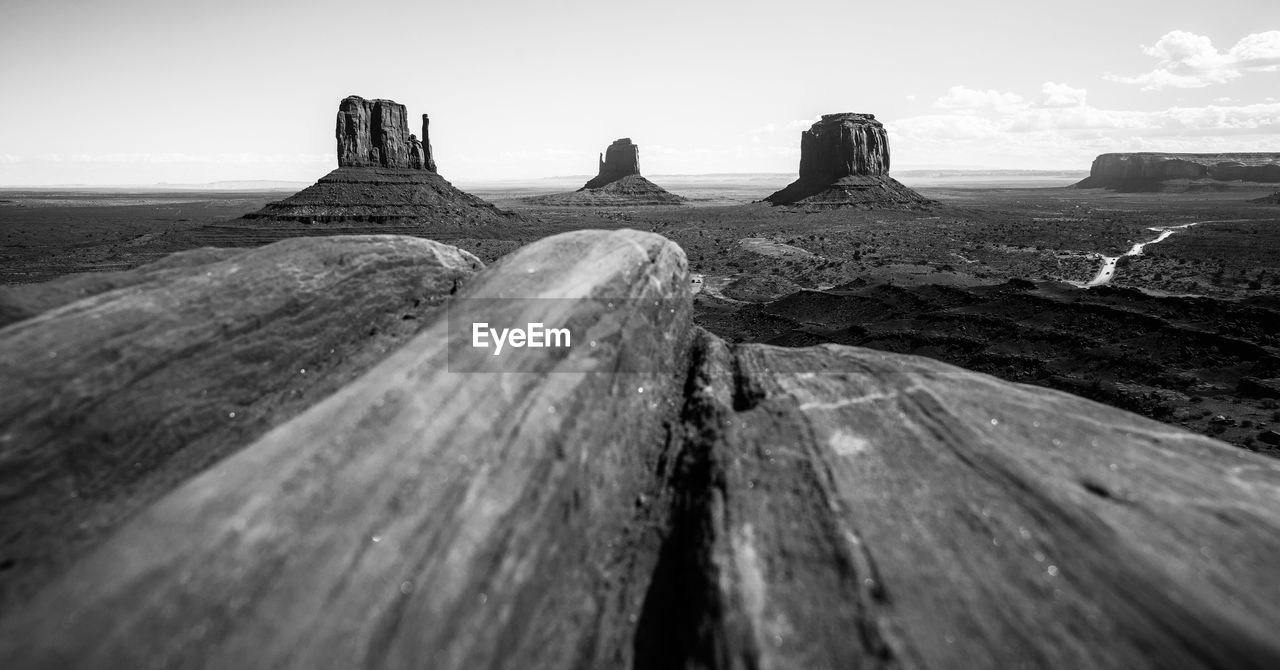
x=618 y=183
x=844 y=161
x=1149 y=171
x=117 y=391
x=725 y=506
x=620 y=159
x=23 y=301
x=379 y=200
x=386 y=182
x=375 y=133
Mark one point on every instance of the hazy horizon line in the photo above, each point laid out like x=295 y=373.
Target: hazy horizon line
x=480 y=180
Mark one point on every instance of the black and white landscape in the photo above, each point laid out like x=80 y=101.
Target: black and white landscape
x=675 y=335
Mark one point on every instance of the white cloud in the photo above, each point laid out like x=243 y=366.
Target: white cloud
x=1188 y=60
x=962 y=98
x=1062 y=95
x=9 y=159
x=1072 y=132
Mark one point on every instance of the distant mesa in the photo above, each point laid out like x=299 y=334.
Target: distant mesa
x=1146 y=171
x=1273 y=199
x=844 y=162
x=617 y=183
x=386 y=181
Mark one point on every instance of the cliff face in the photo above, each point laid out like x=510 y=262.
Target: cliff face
x=375 y=133
x=1146 y=171
x=655 y=497
x=620 y=159
x=844 y=161
x=844 y=144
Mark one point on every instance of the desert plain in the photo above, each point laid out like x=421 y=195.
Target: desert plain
x=991 y=277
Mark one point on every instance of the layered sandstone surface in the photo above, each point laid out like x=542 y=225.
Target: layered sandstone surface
x=844 y=161
x=1149 y=171
x=718 y=505
x=120 y=389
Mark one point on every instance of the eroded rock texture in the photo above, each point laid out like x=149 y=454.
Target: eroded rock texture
x=118 y=391
x=844 y=160
x=1149 y=171
x=723 y=506
x=862 y=509
x=375 y=133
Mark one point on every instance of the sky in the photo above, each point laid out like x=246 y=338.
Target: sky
x=172 y=91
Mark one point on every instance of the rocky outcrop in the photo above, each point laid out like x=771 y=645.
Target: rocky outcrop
x=375 y=133
x=844 y=161
x=386 y=182
x=23 y=301
x=118 y=390
x=1273 y=199
x=654 y=497
x=379 y=200
x=618 y=184
x=620 y=159
x=1150 y=171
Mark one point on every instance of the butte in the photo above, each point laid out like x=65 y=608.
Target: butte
x=386 y=182
x=844 y=162
x=618 y=183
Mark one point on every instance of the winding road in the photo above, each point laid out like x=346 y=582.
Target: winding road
x=1108 y=269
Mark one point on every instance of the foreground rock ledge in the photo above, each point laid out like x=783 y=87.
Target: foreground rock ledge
x=131 y=382
x=754 y=506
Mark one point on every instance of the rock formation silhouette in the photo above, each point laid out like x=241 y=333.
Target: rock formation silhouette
x=1149 y=171
x=844 y=161
x=375 y=133
x=386 y=181
x=620 y=159
x=618 y=183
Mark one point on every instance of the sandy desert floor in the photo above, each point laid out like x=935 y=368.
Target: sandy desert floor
x=1188 y=332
